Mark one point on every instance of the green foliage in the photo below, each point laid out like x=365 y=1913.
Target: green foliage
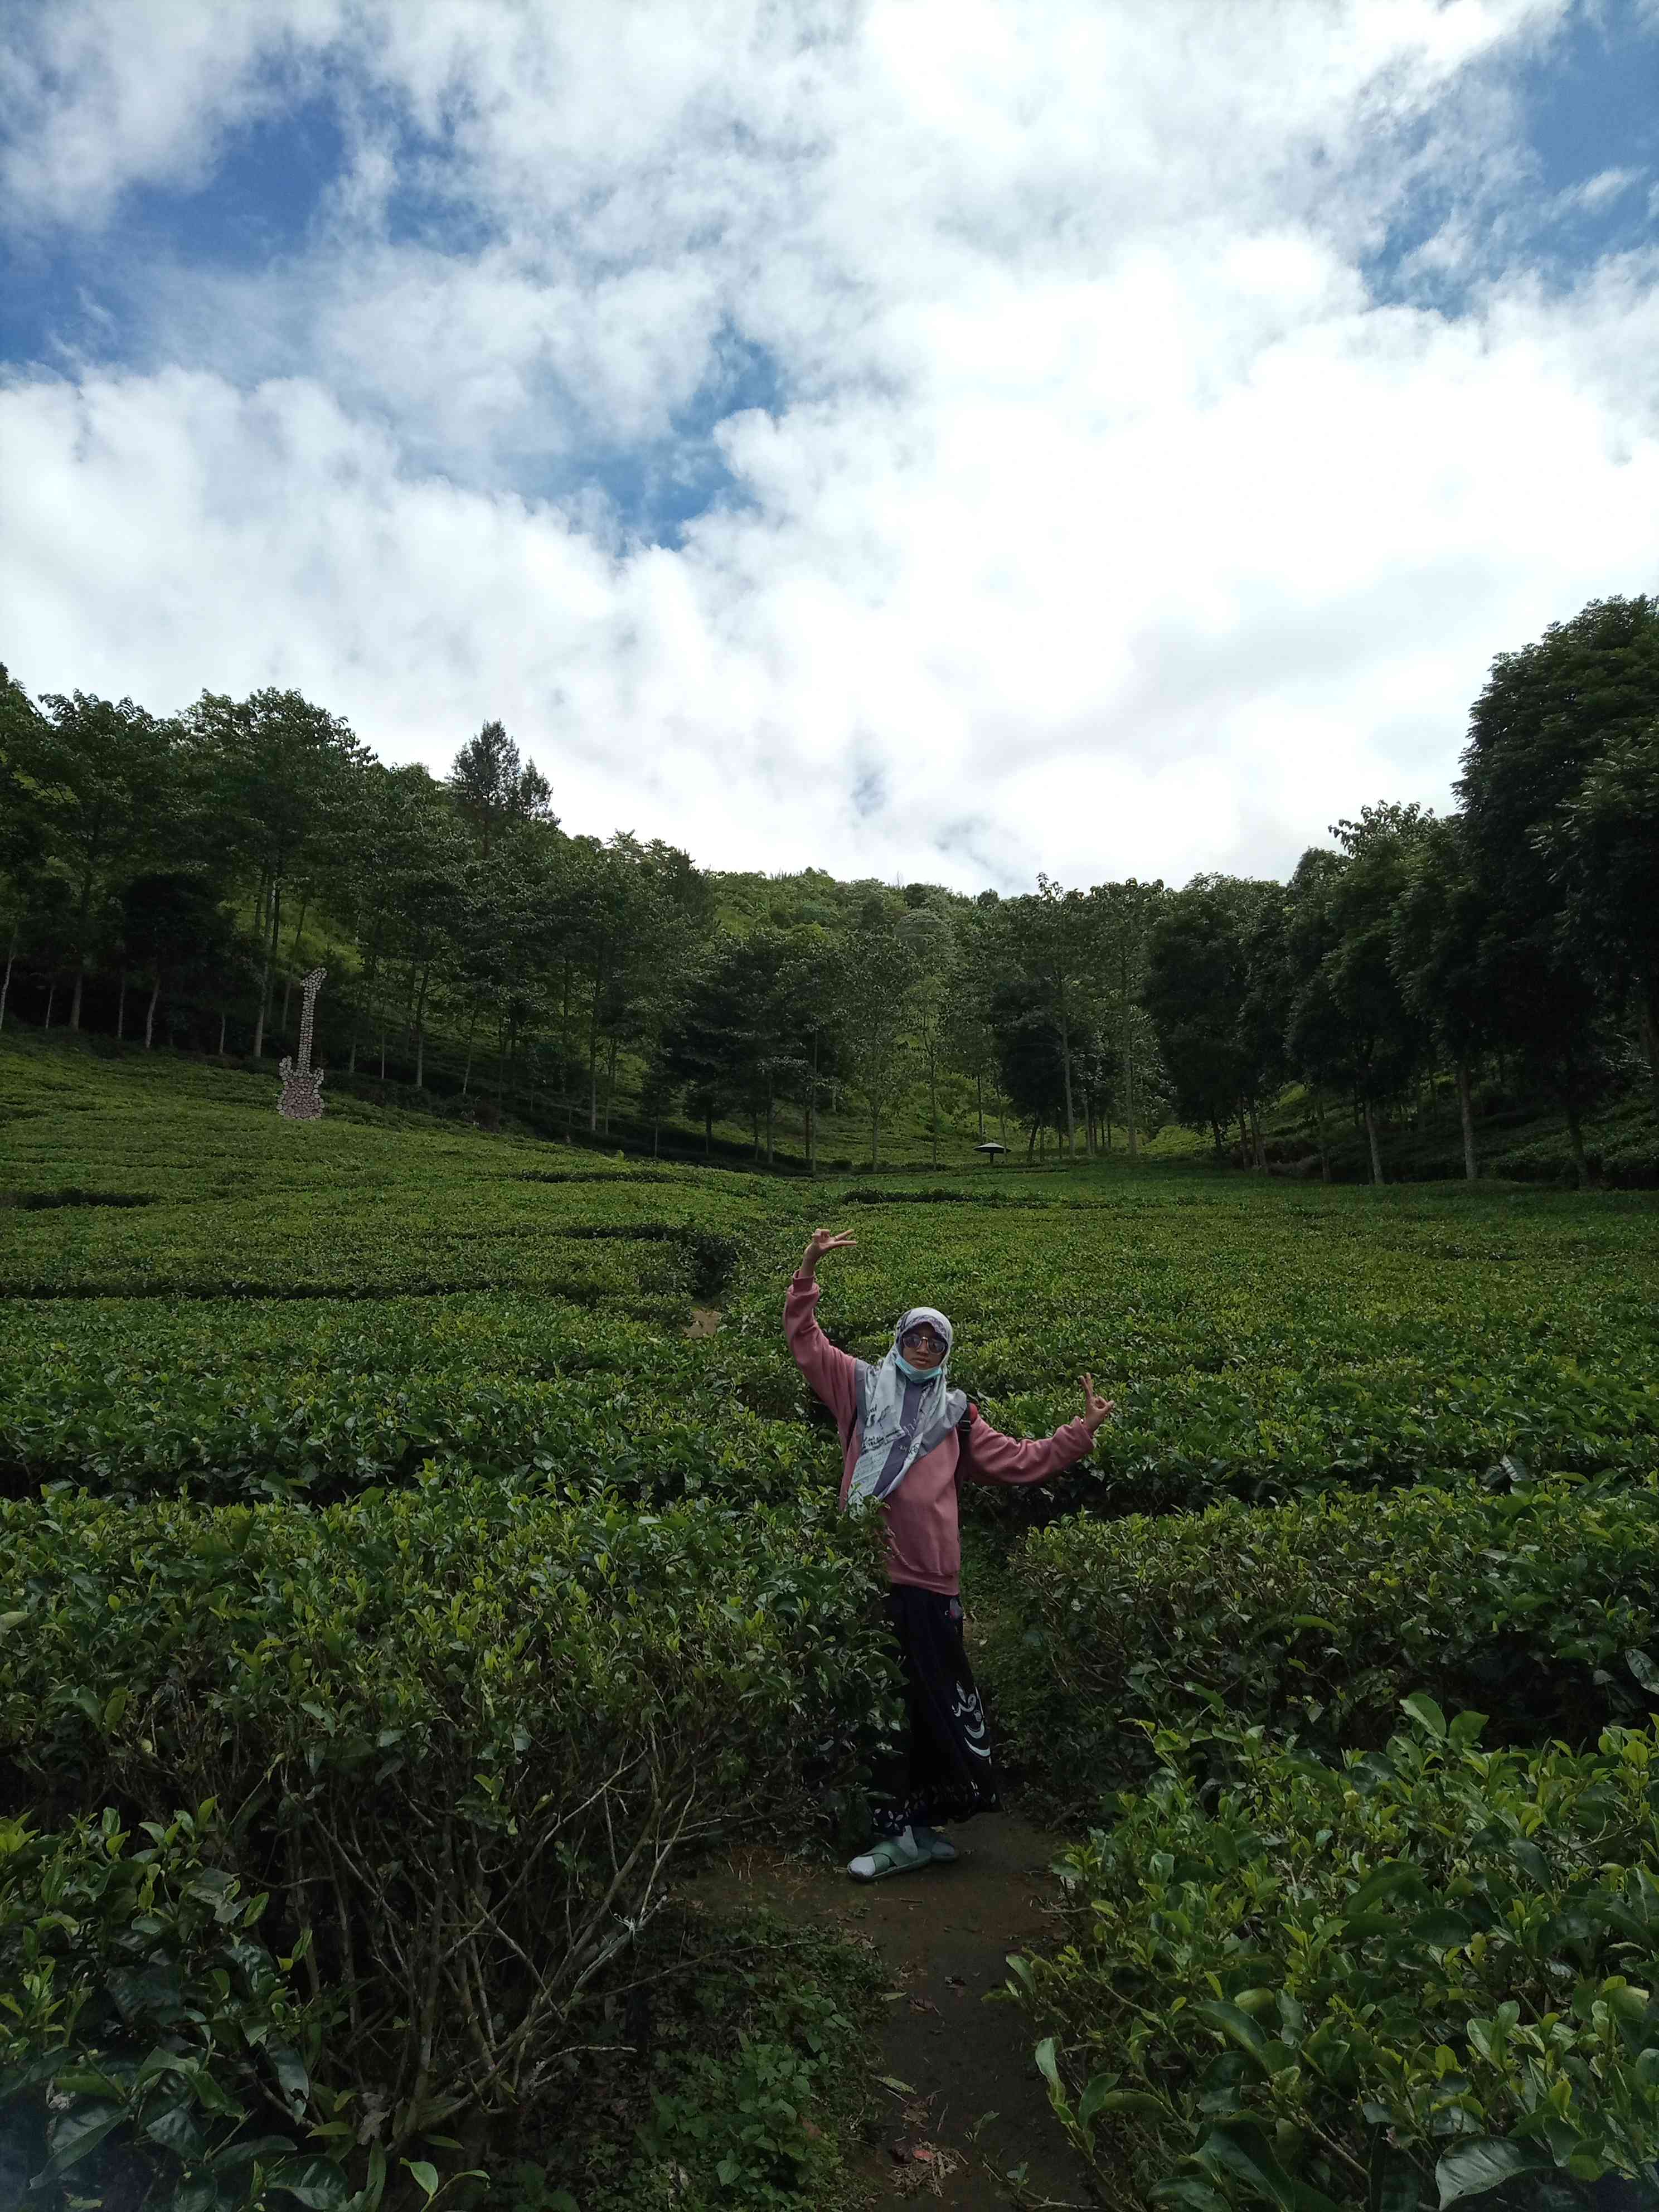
x=148 y=2038
x=1401 y=1981
x=1320 y=1614
x=465 y=1732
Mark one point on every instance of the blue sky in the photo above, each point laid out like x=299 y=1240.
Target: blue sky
x=944 y=441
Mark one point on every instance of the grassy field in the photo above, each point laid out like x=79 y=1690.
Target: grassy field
x=466 y=1357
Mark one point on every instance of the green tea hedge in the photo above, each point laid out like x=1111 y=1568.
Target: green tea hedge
x=1423 y=1975
x=151 y=2047
x=1542 y=1602
x=458 y=1734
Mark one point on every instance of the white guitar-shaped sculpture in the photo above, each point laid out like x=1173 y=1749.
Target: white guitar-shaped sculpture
x=301 y=1099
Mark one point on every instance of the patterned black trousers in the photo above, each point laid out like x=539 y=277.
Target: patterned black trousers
x=942 y=1770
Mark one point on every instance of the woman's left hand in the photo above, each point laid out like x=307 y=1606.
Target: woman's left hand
x=1096 y=1408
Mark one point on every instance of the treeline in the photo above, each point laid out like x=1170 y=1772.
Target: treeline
x=165 y=871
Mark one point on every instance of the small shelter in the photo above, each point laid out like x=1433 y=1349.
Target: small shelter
x=993 y=1150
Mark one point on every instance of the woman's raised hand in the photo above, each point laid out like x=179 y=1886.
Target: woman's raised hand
x=820 y=1242
x=1096 y=1408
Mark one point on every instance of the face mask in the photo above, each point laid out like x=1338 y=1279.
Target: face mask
x=917 y=1373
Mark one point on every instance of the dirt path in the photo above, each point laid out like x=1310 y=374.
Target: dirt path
x=944 y=1935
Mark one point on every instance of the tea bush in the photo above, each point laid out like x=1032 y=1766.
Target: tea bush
x=1415 y=1977
x=150 y=2045
x=1542 y=1602
x=461 y=1733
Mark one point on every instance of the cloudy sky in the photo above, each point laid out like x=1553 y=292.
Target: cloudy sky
x=931 y=438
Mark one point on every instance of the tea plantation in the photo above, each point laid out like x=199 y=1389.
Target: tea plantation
x=395 y=1600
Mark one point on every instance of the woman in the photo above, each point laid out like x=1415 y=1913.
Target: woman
x=907 y=1437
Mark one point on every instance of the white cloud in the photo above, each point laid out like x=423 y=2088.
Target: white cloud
x=1106 y=525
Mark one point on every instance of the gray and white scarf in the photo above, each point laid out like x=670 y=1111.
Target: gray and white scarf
x=900 y=1421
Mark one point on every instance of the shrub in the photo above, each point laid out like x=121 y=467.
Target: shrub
x=1433 y=1968
x=1322 y=1614
x=465 y=1732
x=147 y=2037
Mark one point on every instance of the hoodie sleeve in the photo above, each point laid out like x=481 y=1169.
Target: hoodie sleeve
x=989 y=1456
x=832 y=1374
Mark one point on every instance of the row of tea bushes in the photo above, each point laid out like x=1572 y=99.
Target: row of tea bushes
x=242 y=1399
x=1256 y=1341
x=456 y=1733
x=1413 y=1979
x=1542 y=1602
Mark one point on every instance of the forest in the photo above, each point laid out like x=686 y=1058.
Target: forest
x=172 y=877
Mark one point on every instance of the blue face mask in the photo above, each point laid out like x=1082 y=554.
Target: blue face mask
x=918 y=1374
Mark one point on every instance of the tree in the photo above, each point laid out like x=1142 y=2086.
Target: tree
x=1048 y=935
x=1121 y=926
x=1197 y=980
x=115 y=763
x=29 y=799
x=1602 y=846
x=492 y=788
x=172 y=924
x=930 y=948
x=879 y=1023
x=1438 y=926
x=1547 y=715
x=1382 y=1036
x=267 y=775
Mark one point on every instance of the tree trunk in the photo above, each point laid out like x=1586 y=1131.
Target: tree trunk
x=1065 y=1073
x=1319 y=1124
x=262 y=922
x=933 y=1102
x=1466 y=1110
x=1129 y=1105
x=875 y=1136
x=979 y=1099
x=121 y=1009
x=294 y=954
x=611 y=1086
x=1371 y=1139
x=771 y=1109
x=51 y=993
x=1255 y=1132
x=222 y=1033
x=1576 y=1138
x=5 y=987
x=471 y=1029
x=150 y=1016
x=707 y=1129
x=1649 y=1032
x=420 y=1029
x=812 y=1112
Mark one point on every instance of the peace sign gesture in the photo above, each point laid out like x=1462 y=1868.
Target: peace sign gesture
x=1096 y=1408
x=820 y=1242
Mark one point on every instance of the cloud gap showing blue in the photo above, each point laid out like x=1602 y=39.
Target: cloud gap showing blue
x=1590 y=102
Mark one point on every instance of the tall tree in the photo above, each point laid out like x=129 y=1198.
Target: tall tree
x=1382 y=1035
x=1439 y=924
x=880 y=1026
x=117 y=764
x=1603 y=846
x=1122 y=920
x=492 y=786
x=268 y=773
x=1546 y=716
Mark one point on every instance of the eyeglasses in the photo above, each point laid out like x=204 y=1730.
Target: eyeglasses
x=921 y=1339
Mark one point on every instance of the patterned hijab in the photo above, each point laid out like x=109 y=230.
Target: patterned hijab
x=900 y=1421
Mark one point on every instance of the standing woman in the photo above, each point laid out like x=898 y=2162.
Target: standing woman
x=908 y=1438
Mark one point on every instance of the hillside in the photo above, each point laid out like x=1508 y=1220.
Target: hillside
x=435 y=1503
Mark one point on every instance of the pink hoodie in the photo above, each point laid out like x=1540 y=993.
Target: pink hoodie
x=923 y=1543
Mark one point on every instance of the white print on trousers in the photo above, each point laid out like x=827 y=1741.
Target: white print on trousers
x=967 y=1710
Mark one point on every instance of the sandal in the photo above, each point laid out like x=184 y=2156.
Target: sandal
x=886 y=1858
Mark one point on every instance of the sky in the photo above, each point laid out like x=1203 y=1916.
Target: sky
x=922 y=439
